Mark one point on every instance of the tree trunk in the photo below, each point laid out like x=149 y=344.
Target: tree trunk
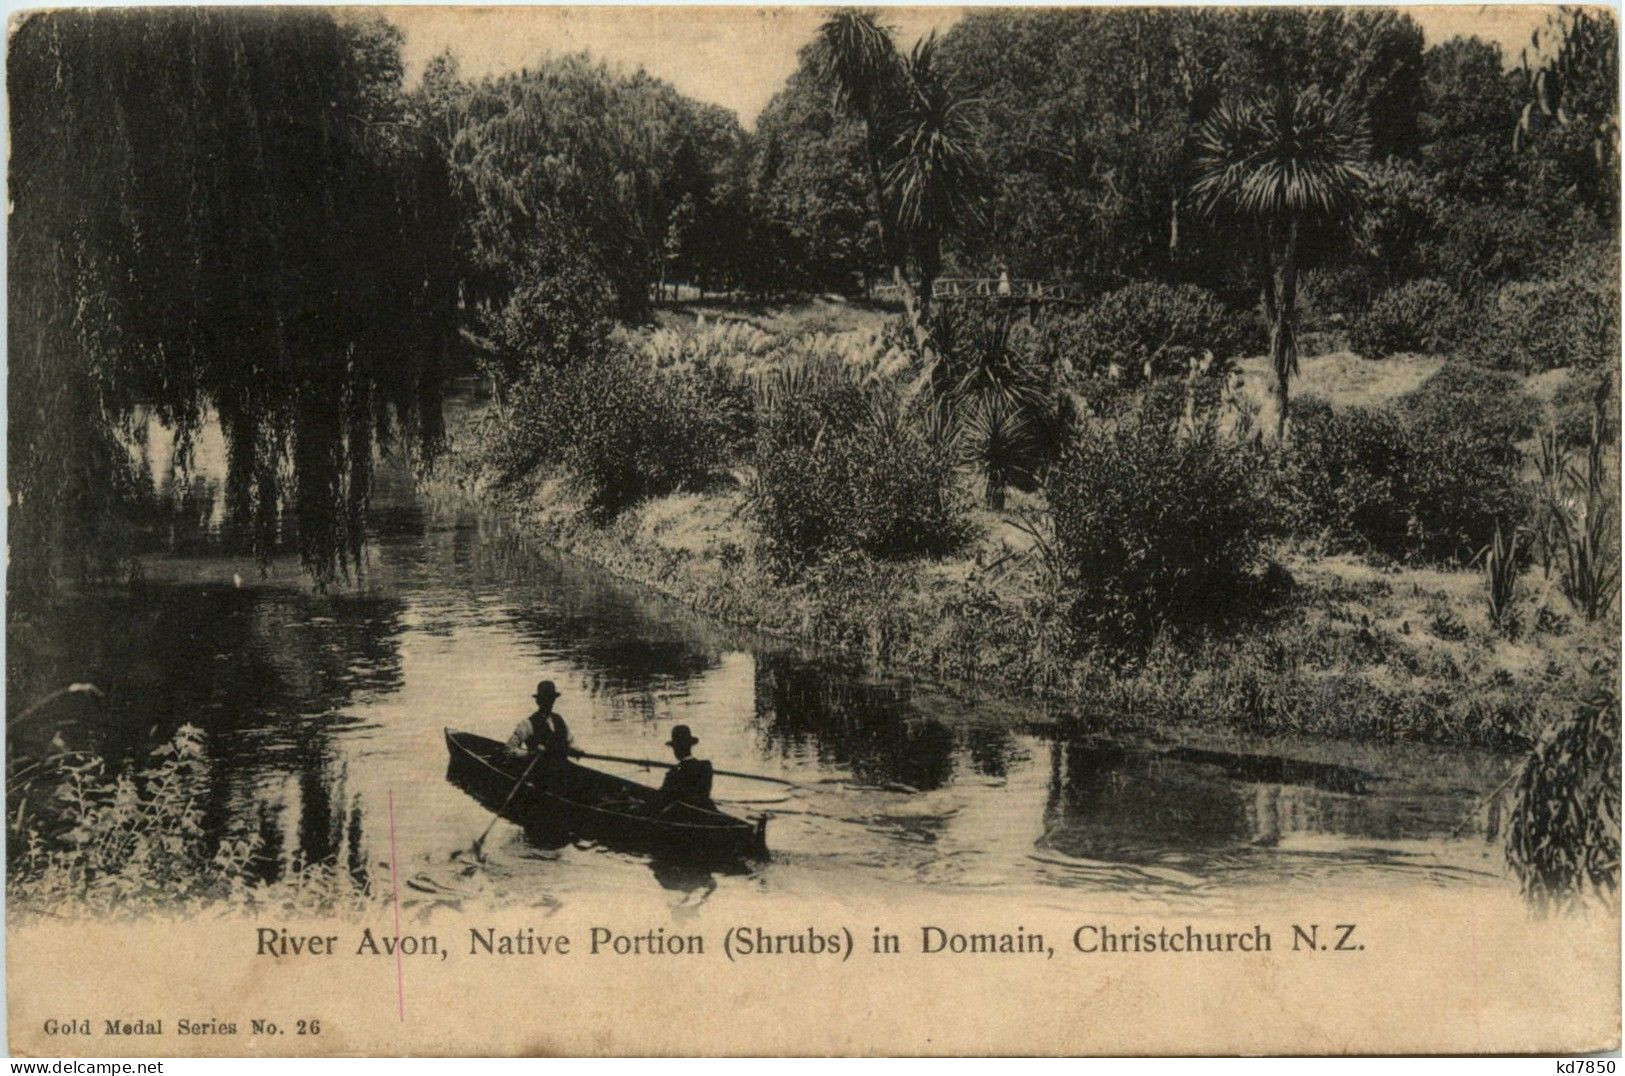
x=891 y=242
x=911 y=311
x=930 y=266
x=1284 y=336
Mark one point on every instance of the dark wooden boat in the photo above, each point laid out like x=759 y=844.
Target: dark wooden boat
x=567 y=801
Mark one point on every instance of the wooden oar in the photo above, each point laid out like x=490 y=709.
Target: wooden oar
x=647 y=762
x=479 y=841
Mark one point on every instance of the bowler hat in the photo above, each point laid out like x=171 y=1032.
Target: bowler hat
x=681 y=737
x=546 y=688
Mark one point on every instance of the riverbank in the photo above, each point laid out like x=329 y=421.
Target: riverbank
x=1353 y=651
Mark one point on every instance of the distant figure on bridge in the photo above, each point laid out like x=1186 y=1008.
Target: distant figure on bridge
x=690 y=780
x=543 y=731
x=1004 y=279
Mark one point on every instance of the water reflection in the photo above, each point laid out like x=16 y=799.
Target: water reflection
x=322 y=710
x=871 y=729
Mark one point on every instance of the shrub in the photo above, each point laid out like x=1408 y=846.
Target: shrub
x=1329 y=296
x=1545 y=324
x=1419 y=316
x=847 y=466
x=1574 y=407
x=1155 y=526
x=623 y=431
x=1486 y=404
x=126 y=843
x=1346 y=476
x=1477 y=247
x=558 y=313
x=1400 y=213
x=1147 y=326
x=1462 y=476
x=1429 y=479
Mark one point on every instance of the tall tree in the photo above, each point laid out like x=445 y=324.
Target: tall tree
x=858 y=58
x=811 y=192
x=934 y=178
x=227 y=210
x=1279 y=165
x=919 y=143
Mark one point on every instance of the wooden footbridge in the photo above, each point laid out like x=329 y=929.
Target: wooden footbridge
x=1002 y=288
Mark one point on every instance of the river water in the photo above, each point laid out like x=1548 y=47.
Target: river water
x=324 y=715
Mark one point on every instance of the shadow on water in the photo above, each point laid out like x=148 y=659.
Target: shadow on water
x=871 y=729
x=266 y=673
x=321 y=709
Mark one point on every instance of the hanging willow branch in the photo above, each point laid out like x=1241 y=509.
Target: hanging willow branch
x=228 y=210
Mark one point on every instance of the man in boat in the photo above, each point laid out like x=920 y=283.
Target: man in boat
x=690 y=780
x=543 y=731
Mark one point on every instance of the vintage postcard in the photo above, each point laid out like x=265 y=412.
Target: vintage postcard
x=795 y=530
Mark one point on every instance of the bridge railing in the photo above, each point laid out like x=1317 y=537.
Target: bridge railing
x=987 y=287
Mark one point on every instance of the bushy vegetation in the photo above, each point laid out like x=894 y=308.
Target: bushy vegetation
x=622 y=431
x=845 y=465
x=1156 y=525
x=557 y=313
x=1428 y=480
x=1147 y=330
x=1572 y=321
x=1419 y=315
x=122 y=843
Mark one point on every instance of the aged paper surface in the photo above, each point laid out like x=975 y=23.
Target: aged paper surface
x=295 y=306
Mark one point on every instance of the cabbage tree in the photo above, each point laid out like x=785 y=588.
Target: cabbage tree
x=1279 y=166
x=919 y=143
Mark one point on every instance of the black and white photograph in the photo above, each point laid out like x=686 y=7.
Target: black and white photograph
x=801 y=530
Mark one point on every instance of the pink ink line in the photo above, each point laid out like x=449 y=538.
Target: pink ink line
x=400 y=972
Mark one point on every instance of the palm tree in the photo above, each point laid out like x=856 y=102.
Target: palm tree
x=935 y=177
x=919 y=143
x=1280 y=167
x=999 y=438
x=857 y=56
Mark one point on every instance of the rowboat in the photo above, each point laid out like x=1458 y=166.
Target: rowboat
x=564 y=801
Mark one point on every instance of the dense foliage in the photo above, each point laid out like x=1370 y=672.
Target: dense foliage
x=1563 y=841
x=1147 y=330
x=622 y=430
x=1157 y=526
x=843 y=465
x=286 y=267
x=126 y=842
x=1571 y=320
x=1425 y=316
x=1429 y=480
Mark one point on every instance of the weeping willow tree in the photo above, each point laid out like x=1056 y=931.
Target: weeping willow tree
x=226 y=210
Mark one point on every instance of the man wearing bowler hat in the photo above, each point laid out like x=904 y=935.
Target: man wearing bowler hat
x=690 y=780
x=544 y=730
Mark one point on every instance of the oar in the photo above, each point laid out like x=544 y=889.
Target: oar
x=479 y=841
x=646 y=762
